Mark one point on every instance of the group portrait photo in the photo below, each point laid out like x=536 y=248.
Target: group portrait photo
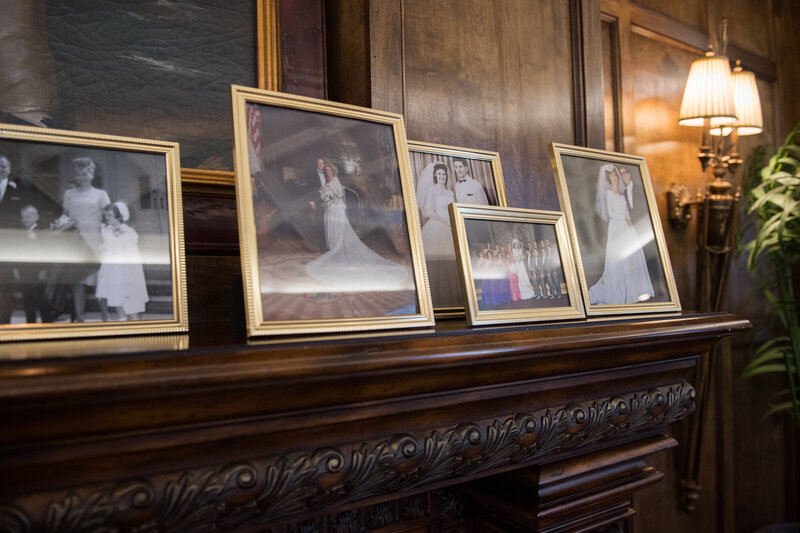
x=515 y=265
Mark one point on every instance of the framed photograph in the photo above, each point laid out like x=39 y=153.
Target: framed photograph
x=515 y=265
x=328 y=224
x=616 y=232
x=92 y=232
x=443 y=175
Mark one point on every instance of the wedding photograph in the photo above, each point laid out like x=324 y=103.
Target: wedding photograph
x=333 y=244
x=515 y=265
x=89 y=234
x=443 y=175
x=622 y=252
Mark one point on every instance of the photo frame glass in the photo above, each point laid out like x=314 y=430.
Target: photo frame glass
x=328 y=234
x=443 y=175
x=515 y=265
x=622 y=256
x=92 y=229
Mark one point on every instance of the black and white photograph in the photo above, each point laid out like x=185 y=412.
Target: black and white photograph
x=332 y=243
x=623 y=256
x=515 y=264
x=87 y=234
x=443 y=175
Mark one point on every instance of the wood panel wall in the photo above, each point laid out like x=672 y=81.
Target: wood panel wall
x=749 y=472
x=512 y=76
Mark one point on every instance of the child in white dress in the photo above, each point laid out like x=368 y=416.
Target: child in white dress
x=120 y=282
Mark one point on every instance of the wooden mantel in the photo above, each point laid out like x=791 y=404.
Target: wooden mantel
x=209 y=432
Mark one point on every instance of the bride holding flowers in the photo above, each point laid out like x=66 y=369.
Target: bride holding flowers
x=349 y=265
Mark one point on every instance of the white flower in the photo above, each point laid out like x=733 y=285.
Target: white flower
x=327 y=194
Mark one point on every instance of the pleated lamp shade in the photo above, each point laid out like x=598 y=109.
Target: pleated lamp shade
x=748 y=105
x=708 y=93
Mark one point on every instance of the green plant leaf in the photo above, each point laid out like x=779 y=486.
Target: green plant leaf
x=770 y=343
x=773 y=200
x=780 y=394
x=770 y=368
x=771 y=355
x=774 y=409
x=777 y=196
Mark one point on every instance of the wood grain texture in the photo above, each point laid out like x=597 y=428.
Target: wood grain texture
x=544 y=498
x=692 y=14
x=348 y=51
x=387 y=66
x=302 y=47
x=592 y=56
x=342 y=422
x=785 y=28
x=475 y=78
x=658 y=42
x=659 y=79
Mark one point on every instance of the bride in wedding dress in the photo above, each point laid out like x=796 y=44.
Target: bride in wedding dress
x=434 y=198
x=625 y=276
x=349 y=265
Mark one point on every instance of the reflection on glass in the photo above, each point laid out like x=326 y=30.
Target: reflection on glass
x=82 y=240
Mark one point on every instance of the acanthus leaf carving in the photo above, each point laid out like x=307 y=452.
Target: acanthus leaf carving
x=271 y=489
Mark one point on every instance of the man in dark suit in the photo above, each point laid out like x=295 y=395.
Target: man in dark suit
x=31 y=272
x=10 y=203
x=292 y=206
x=10 y=196
x=309 y=211
x=639 y=213
x=634 y=194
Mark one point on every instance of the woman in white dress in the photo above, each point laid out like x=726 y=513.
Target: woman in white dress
x=120 y=282
x=434 y=201
x=434 y=196
x=625 y=276
x=525 y=285
x=83 y=210
x=349 y=265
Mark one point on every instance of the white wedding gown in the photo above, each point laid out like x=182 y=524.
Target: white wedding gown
x=437 y=238
x=625 y=278
x=524 y=282
x=349 y=265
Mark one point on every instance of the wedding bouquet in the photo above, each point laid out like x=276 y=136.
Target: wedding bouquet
x=327 y=195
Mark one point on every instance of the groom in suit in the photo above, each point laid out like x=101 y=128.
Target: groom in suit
x=310 y=214
x=634 y=193
x=640 y=218
x=467 y=189
x=10 y=196
x=10 y=203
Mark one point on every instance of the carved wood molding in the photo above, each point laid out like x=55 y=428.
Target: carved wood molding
x=262 y=491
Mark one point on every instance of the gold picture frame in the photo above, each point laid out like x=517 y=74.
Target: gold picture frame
x=471 y=177
x=94 y=226
x=320 y=253
x=608 y=195
x=515 y=265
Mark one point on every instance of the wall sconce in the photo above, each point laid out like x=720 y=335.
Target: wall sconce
x=725 y=105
